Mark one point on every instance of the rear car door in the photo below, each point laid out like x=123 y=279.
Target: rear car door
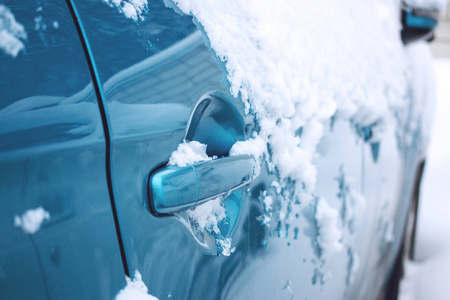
x=52 y=163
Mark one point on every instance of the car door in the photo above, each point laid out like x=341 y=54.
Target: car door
x=163 y=85
x=58 y=238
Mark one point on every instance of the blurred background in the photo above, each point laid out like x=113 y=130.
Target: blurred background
x=428 y=275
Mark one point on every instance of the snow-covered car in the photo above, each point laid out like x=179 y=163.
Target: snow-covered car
x=210 y=149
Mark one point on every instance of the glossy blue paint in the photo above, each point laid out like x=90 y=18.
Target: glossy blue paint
x=52 y=155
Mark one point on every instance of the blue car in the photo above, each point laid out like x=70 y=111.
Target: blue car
x=96 y=103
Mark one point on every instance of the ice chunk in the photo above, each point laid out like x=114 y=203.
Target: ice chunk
x=135 y=289
x=31 y=220
x=188 y=153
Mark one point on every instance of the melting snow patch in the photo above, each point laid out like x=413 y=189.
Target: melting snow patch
x=12 y=34
x=31 y=220
x=329 y=235
x=135 y=289
x=188 y=153
x=132 y=9
x=208 y=215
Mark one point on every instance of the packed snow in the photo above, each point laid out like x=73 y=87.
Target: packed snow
x=135 y=289
x=131 y=9
x=351 y=66
x=254 y=146
x=427 y=276
x=328 y=236
x=188 y=153
x=208 y=215
x=12 y=33
x=31 y=220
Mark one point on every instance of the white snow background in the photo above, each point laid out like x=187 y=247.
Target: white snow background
x=427 y=277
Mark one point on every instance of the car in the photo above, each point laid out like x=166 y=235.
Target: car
x=130 y=159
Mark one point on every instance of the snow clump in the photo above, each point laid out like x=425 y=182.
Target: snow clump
x=31 y=220
x=188 y=153
x=135 y=289
x=132 y=9
x=255 y=146
x=208 y=215
x=12 y=33
x=329 y=236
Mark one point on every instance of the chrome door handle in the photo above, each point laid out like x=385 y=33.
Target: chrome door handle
x=173 y=189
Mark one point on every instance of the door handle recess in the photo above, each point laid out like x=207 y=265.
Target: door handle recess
x=173 y=189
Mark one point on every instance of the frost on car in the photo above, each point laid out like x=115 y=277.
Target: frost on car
x=202 y=150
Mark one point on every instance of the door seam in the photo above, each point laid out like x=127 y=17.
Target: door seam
x=105 y=122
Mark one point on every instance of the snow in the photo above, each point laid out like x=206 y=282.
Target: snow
x=135 y=289
x=329 y=236
x=131 y=9
x=12 y=33
x=31 y=220
x=433 y=4
x=188 y=153
x=427 y=276
x=352 y=66
x=224 y=246
x=254 y=146
x=208 y=215
x=423 y=92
